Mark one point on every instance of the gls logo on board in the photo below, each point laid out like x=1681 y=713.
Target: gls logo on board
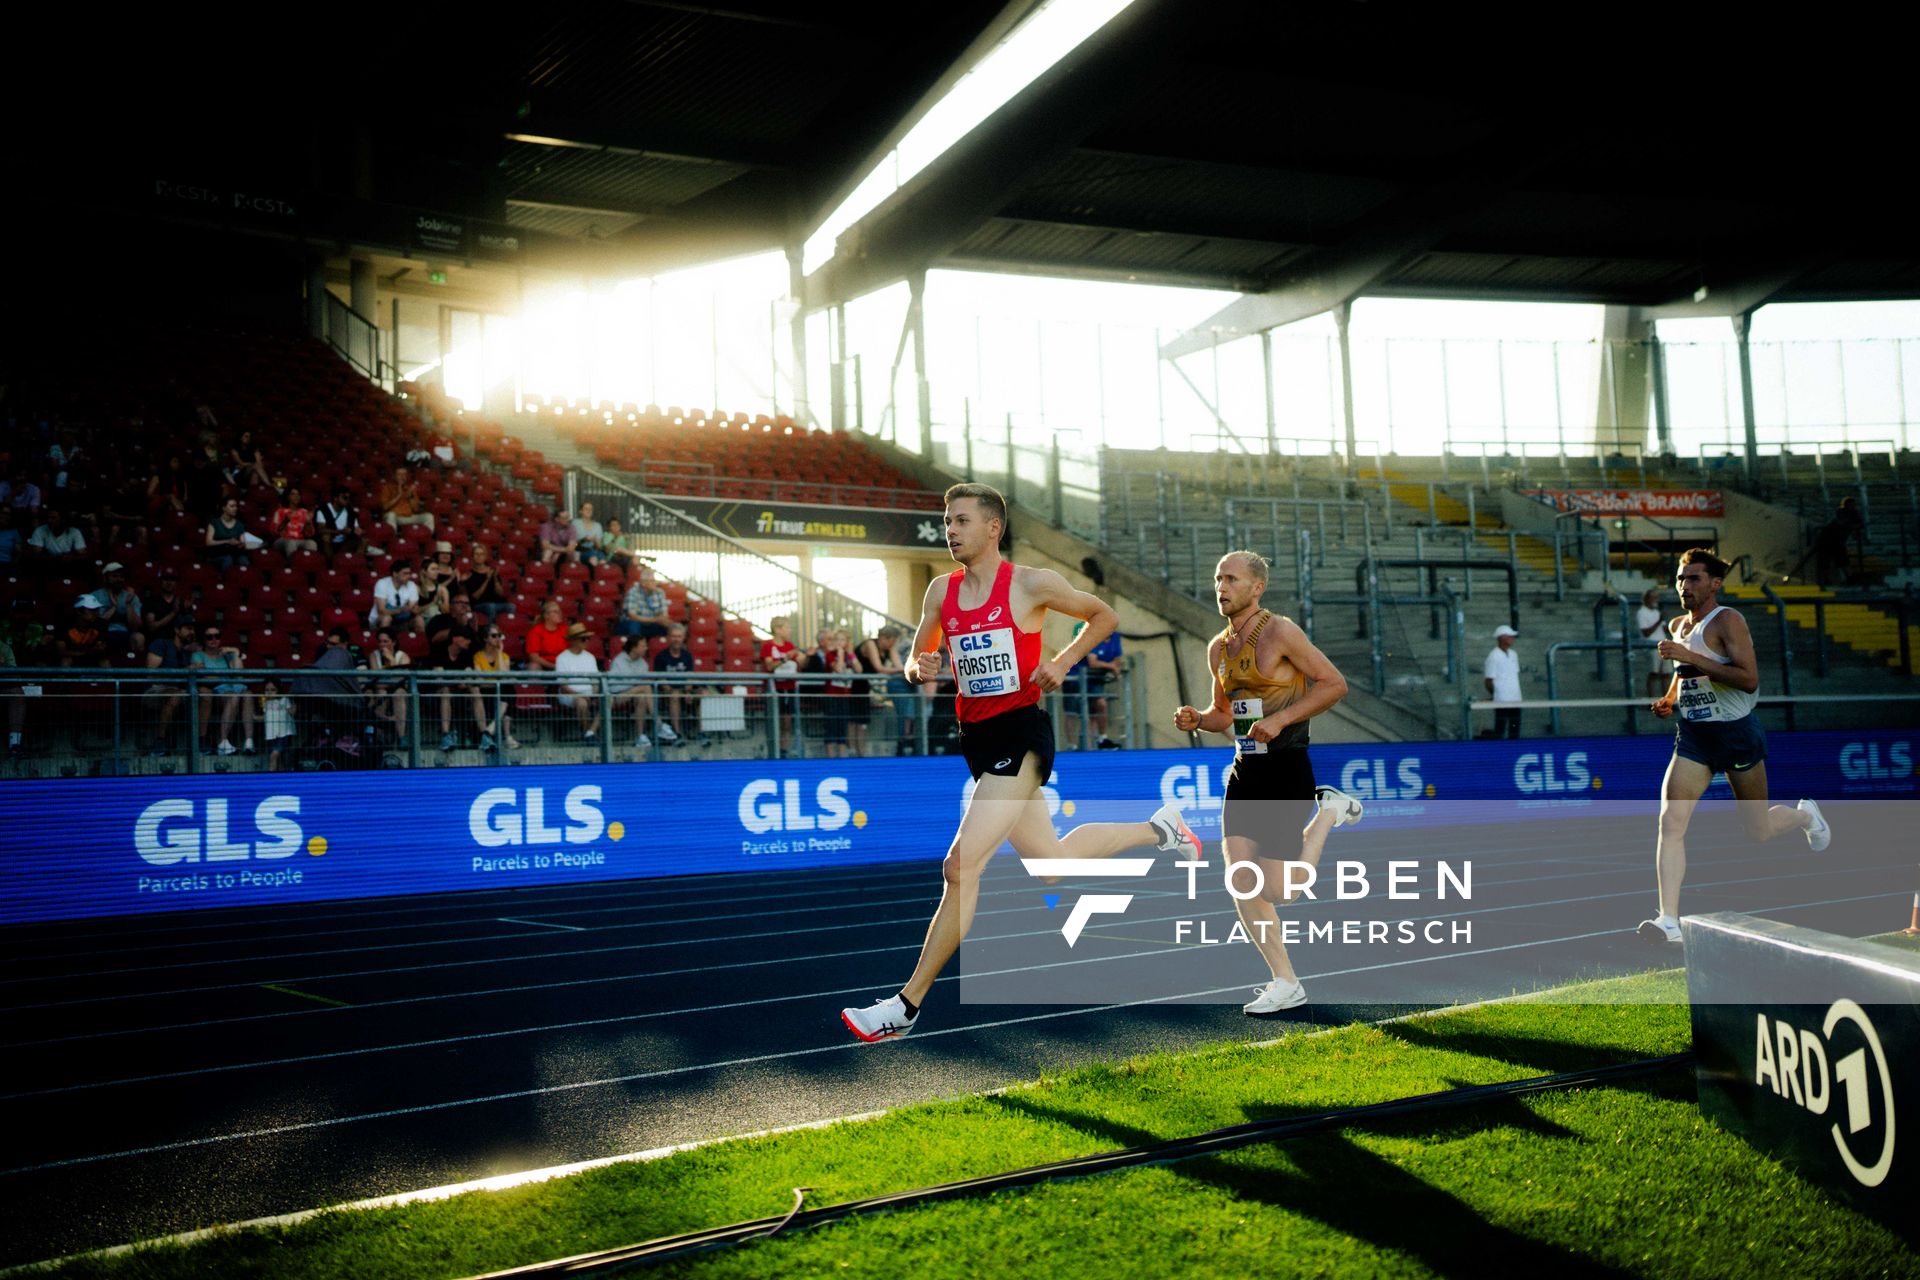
x=766 y=806
x=170 y=832
x=1537 y=772
x=1792 y=1061
x=1861 y=761
x=1384 y=780
x=502 y=817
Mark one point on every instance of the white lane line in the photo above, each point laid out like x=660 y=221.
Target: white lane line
x=841 y=991
x=763 y=934
x=1018 y=888
x=474 y=913
x=570 y=928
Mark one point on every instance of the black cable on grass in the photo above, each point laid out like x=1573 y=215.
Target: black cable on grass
x=1213 y=1142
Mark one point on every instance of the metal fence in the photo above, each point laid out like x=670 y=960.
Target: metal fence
x=120 y=723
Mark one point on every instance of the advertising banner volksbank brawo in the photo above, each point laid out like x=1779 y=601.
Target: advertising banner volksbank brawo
x=82 y=847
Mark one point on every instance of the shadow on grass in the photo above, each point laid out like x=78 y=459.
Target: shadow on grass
x=1543 y=1055
x=1362 y=1195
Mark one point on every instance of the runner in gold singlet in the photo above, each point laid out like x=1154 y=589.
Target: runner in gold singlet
x=1269 y=681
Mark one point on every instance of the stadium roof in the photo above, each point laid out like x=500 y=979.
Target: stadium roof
x=1298 y=153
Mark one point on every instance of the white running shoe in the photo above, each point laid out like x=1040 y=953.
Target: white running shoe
x=1173 y=830
x=668 y=735
x=225 y=748
x=1660 y=929
x=642 y=741
x=1275 y=996
x=884 y=1020
x=1819 y=834
x=1345 y=809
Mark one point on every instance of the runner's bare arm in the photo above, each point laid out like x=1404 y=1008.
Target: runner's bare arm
x=1217 y=718
x=1741 y=670
x=924 y=664
x=1045 y=589
x=1328 y=687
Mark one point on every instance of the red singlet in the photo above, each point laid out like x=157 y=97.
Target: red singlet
x=993 y=660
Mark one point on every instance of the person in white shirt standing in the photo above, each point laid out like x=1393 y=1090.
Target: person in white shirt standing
x=1502 y=678
x=580 y=694
x=1647 y=620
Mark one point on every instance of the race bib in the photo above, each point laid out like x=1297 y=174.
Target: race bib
x=1247 y=712
x=1697 y=700
x=984 y=664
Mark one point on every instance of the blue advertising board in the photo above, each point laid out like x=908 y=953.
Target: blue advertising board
x=72 y=848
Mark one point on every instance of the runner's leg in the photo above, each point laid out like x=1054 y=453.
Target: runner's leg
x=1680 y=793
x=1761 y=822
x=997 y=805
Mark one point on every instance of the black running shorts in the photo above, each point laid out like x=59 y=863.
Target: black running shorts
x=999 y=743
x=1269 y=800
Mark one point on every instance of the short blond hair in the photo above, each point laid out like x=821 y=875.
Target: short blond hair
x=1256 y=563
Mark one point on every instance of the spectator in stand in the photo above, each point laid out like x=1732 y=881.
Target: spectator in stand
x=206 y=479
x=451 y=643
x=581 y=696
x=856 y=703
x=231 y=695
x=396 y=601
x=483 y=585
x=290 y=525
x=587 y=534
x=778 y=656
x=886 y=678
x=169 y=654
x=167 y=488
x=627 y=689
x=83 y=641
x=387 y=698
x=814 y=694
x=400 y=503
x=56 y=542
x=1086 y=685
x=164 y=607
x=1501 y=676
x=438 y=577
x=338 y=525
x=1830 y=544
x=676 y=658
x=121 y=509
x=491 y=695
x=246 y=467
x=1648 y=620
x=547 y=640
x=121 y=614
x=621 y=547
x=331 y=699
x=12 y=544
x=644 y=611
x=227 y=541
x=276 y=727
x=557 y=539
x=23 y=495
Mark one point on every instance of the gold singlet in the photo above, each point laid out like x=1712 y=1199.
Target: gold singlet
x=1252 y=695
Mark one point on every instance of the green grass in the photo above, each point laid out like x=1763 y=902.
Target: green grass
x=1583 y=1182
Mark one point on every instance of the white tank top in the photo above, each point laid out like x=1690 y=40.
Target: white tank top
x=1700 y=698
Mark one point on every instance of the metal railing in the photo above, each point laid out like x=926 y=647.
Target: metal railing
x=360 y=342
x=301 y=719
x=1820 y=711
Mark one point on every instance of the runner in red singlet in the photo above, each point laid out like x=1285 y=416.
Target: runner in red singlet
x=989 y=613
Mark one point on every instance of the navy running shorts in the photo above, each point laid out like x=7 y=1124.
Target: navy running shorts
x=1724 y=746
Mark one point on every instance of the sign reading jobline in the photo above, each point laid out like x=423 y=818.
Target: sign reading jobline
x=115 y=846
